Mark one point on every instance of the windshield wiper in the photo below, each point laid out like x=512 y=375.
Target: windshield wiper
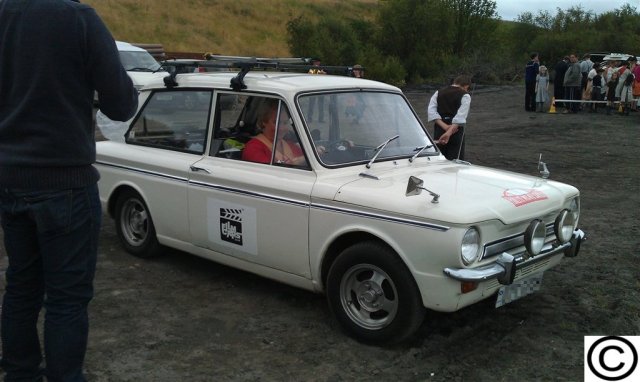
x=420 y=150
x=380 y=148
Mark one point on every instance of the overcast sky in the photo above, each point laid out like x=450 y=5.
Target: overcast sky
x=510 y=9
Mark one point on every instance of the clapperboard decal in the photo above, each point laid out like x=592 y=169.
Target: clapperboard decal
x=231 y=225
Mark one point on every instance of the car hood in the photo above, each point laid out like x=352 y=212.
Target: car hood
x=467 y=194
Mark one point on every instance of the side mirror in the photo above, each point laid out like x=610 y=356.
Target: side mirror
x=414 y=187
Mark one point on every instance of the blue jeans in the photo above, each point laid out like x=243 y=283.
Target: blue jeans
x=51 y=239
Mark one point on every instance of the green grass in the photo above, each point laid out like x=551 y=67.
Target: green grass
x=230 y=27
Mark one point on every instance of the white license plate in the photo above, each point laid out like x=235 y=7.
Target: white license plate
x=518 y=289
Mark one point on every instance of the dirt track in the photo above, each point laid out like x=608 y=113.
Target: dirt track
x=181 y=318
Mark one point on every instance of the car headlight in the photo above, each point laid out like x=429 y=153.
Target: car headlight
x=535 y=236
x=470 y=247
x=564 y=225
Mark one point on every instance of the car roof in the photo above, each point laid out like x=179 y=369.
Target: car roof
x=617 y=57
x=284 y=83
x=126 y=47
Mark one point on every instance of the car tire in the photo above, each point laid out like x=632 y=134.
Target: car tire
x=373 y=295
x=134 y=226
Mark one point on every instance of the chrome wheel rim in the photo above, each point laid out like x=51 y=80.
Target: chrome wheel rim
x=134 y=222
x=369 y=296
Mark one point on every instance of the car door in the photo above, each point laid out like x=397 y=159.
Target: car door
x=166 y=138
x=257 y=212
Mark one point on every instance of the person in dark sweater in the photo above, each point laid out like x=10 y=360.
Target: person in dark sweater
x=531 y=72
x=449 y=108
x=54 y=55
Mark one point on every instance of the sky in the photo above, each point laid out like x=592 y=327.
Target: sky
x=510 y=9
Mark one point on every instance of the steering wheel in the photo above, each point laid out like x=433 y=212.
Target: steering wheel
x=338 y=145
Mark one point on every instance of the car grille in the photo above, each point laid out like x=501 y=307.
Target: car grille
x=513 y=245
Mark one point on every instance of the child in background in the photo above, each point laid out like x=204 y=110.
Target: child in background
x=611 y=92
x=597 y=83
x=542 y=88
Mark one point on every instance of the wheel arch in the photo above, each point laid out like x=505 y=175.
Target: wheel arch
x=119 y=190
x=344 y=241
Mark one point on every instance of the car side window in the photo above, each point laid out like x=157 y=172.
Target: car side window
x=245 y=128
x=174 y=120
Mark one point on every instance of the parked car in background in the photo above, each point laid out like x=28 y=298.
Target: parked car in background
x=354 y=199
x=139 y=64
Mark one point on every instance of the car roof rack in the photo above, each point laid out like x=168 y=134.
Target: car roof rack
x=245 y=65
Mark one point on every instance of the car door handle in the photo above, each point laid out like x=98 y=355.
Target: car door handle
x=194 y=168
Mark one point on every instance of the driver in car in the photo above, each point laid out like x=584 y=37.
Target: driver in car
x=260 y=148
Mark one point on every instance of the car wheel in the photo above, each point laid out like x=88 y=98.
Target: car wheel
x=134 y=226
x=373 y=295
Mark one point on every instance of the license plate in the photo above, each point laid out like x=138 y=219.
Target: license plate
x=518 y=289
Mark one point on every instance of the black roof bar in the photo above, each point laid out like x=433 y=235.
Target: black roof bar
x=244 y=64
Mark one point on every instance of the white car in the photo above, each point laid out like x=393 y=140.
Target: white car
x=139 y=64
x=371 y=214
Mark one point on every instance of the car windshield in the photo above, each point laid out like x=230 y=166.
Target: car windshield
x=351 y=127
x=138 y=61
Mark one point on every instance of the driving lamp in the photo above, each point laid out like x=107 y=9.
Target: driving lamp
x=534 y=237
x=564 y=226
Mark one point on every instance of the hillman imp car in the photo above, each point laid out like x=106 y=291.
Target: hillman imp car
x=368 y=212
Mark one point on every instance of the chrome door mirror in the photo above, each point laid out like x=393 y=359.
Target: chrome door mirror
x=414 y=187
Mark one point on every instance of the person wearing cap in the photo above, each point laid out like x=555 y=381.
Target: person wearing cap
x=357 y=71
x=49 y=203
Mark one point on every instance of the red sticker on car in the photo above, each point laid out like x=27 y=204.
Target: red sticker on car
x=521 y=197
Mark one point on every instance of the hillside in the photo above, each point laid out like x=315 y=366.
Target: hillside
x=231 y=27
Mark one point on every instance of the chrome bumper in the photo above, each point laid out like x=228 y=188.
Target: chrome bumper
x=504 y=269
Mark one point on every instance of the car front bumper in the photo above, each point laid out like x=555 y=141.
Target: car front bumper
x=504 y=268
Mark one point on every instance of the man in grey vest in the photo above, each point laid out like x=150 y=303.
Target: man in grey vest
x=449 y=108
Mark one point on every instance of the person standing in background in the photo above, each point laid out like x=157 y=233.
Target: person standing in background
x=449 y=108
x=49 y=203
x=531 y=71
x=585 y=66
x=558 y=81
x=572 y=85
x=542 y=88
x=635 y=70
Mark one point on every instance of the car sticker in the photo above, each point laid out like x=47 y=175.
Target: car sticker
x=232 y=225
x=520 y=197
